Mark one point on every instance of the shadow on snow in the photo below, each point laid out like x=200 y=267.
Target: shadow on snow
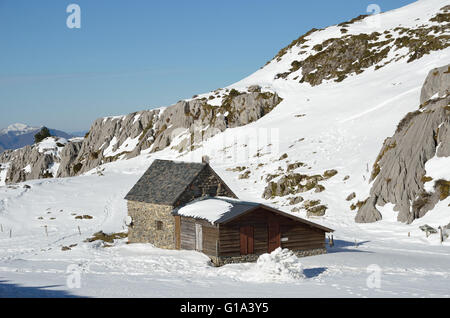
x=10 y=290
x=341 y=246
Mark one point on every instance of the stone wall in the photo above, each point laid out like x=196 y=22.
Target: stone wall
x=144 y=218
x=223 y=260
x=206 y=184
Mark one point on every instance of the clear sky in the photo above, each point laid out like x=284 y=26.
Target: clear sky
x=131 y=55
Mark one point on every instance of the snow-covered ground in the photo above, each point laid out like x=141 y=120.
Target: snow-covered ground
x=42 y=220
x=331 y=126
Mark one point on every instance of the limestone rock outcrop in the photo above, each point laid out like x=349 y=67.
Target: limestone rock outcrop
x=398 y=174
x=123 y=137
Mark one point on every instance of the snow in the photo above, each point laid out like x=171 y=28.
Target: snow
x=18 y=129
x=111 y=118
x=108 y=151
x=27 y=169
x=76 y=139
x=3 y=172
x=360 y=113
x=136 y=118
x=30 y=258
x=210 y=209
x=50 y=145
x=53 y=169
x=280 y=266
x=128 y=145
x=437 y=168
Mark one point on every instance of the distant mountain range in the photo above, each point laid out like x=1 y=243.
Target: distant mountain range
x=20 y=135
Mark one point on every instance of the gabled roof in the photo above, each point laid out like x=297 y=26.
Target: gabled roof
x=220 y=210
x=164 y=181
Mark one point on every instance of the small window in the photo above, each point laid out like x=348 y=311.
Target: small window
x=159 y=225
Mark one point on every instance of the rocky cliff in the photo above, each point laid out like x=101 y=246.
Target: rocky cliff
x=399 y=174
x=182 y=126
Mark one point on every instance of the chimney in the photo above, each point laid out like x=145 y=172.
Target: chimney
x=205 y=159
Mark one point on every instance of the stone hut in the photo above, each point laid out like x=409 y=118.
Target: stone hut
x=165 y=186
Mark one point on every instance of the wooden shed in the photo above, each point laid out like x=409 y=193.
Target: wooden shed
x=230 y=230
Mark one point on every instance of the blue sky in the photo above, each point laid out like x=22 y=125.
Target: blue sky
x=140 y=54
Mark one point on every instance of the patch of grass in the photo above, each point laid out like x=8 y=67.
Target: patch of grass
x=319 y=188
x=301 y=40
x=407 y=119
x=330 y=173
x=426 y=179
x=84 y=217
x=376 y=166
x=351 y=196
x=318 y=210
x=444 y=188
x=234 y=93
x=310 y=203
x=109 y=238
x=245 y=175
x=94 y=155
x=77 y=167
x=237 y=169
x=293 y=166
x=358 y=205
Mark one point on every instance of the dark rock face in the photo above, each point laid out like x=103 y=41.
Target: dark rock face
x=399 y=170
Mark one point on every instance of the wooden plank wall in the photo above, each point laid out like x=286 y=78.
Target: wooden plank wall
x=210 y=237
x=187 y=235
x=300 y=236
x=230 y=239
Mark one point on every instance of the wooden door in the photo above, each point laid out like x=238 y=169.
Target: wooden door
x=198 y=237
x=246 y=240
x=274 y=239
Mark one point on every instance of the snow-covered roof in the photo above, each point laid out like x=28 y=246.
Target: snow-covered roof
x=217 y=210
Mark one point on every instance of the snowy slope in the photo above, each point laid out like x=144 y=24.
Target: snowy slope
x=334 y=125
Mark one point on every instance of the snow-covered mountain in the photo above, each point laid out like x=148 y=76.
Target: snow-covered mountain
x=18 y=129
x=333 y=96
x=18 y=135
x=312 y=132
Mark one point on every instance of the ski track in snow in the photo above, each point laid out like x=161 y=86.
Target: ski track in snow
x=384 y=104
